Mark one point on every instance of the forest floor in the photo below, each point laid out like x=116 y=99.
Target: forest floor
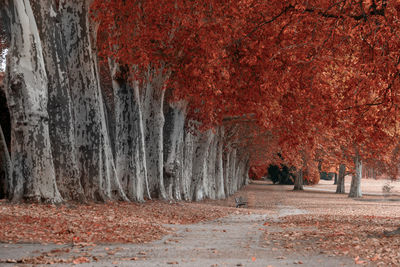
x=279 y=228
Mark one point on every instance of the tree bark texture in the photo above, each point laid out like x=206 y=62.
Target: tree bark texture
x=355 y=187
x=5 y=167
x=340 y=181
x=33 y=176
x=298 y=181
x=61 y=122
x=61 y=145
x=92 y=141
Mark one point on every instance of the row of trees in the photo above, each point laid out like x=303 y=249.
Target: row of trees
x=177 y=99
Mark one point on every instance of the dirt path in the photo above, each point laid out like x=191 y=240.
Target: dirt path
x=237 y=240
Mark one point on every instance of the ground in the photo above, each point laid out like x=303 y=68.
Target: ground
x=279 y=228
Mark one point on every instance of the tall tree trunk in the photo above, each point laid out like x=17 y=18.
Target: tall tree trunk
x=27 y=95
x=174 y=149
x=141 y=152
x=5 y=167
x=340 y=182
x=227 y=176
x=298 y=181
x=93 y=146
x=219 y=167
x=211 y=168
x=61 y=124
x=199 y=178
x=187 y=166
x=152 y=95
x=232 y=171
x=355 y=188
x=129 y=167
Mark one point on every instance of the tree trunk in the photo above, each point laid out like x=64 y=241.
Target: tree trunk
x=174 y=131
x=355 y=188
x=27 y=95
x=141 y=158
x=152 y=97
x=93 y=146
x=199 y=178
x=340 y=182
x=298 y=181
x=335 y=178
x=187 y=171
x=61 y=124
x=129 y=167
x=227 y=164
x=219 y=167
x=211 y=167
x=5 y=167
x=232 y=171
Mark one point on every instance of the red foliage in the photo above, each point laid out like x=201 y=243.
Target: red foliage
x=316 y=75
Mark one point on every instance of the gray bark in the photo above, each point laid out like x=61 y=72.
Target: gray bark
x=187 y=166
x=141 y=157
x=355 y=187
x=232 y=171
x=298 y=181
x=129 y=167
x=211 y=167
x=61 y=124
x=340 y=181
x=199 y=177
x=174 y=149
x=5 y=167
x=227 y=176
x=27 y=95
x=152 y=101
x=219 y=167
x=94 y=153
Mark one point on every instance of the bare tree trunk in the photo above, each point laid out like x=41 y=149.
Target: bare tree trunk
x=298 y=181
x=27 y=95
x=174 y=131
x=227 y=175
x=141 y=158
x=211 y=167
x=92 y=141
x=128 y=150
x=219 y=168
x=5 y=167
x=152 y=101
x=187 y=172
x=355 y=188
x=340 y=182
x=199 y=178
x=61 y=124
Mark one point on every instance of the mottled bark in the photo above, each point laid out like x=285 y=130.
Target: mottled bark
x=33 y=176
x=174 y=149
x=340 y=181
x=94 y=153
x=219 y=167
x=187 y=166
x=152 y=101
x=355 y=187
x=60 y=109
x=129 y=167
x=211 y=167
x=199 y=177
x=227 y=176
x=5 y=167
x=141 y=157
